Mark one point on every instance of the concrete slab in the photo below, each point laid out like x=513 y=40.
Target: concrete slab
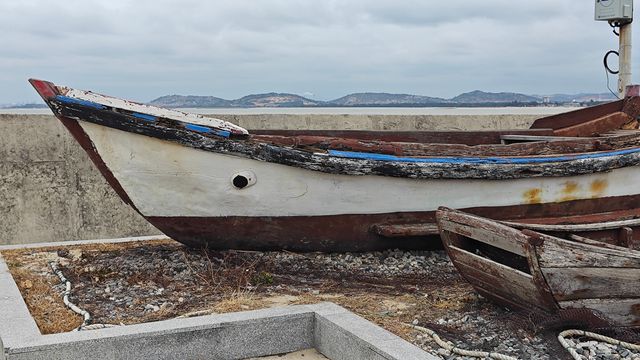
x=330 y=329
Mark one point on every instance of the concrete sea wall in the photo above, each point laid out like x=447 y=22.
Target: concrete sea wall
x=50 y=190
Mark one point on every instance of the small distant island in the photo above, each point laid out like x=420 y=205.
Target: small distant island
x=475 y=98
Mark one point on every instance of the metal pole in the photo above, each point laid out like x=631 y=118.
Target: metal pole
x=624 y=77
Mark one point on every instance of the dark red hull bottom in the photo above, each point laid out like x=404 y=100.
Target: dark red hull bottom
x=357 y=232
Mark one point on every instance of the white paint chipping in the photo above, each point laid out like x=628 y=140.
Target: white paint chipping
x=166 y=179
x=155 y=111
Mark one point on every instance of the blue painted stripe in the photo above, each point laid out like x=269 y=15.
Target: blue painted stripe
x=198 y=128
x=223 y=133
x=145 y=117
x=477 y=160
x=70 y=100
x=206 y=130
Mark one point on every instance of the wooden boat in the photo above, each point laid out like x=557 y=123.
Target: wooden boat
x=204 y=181
x=537 y=271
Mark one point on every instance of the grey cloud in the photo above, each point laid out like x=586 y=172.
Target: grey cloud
x=143 y=49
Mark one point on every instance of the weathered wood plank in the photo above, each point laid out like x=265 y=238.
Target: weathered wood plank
x=574 y=227
x=546 y=295
x=546 y=145
x=575 y=117
x=596 y=126
x=483 y=230
x=626 y=238
x=589 y=283
x=556 y=252
x=483 y=235
x=585 y=240
x=405 y=230
x=508 y=138
x=624 y=312
x=432 y=137
x=496 y=278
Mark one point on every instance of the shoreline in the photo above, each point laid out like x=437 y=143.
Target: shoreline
x=538 y=110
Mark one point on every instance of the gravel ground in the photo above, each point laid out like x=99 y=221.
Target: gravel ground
x=138 y=282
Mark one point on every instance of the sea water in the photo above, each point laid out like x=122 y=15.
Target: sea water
x=539 y=110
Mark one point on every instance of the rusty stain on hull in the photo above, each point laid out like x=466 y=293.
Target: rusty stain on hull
x=598 y=187
x=569 y=191
x=533 y=196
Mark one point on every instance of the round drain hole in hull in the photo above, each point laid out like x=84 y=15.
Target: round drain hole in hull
x=243 y=179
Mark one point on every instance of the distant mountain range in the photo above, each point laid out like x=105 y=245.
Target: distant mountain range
x=24 y=106
x=473 y=98
x=367 y=99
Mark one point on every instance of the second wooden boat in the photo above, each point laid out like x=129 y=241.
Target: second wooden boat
x=559 y=267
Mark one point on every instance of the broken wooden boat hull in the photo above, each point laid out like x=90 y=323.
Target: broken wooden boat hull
x=538 y=272
x=207 y=182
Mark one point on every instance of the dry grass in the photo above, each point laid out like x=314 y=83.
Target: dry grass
x=227 y=277
x=43 y=301
x=240 y=301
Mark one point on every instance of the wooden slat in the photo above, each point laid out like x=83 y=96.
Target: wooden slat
x=588 y=283
x=405 y=230
x=555 y=146
x=496 y=278
x=483 y=230
x=621 y=132
x=574 y=227
x=577 y=116
x=484 y=235
x=556 y=252
x=515 y=138
x=624 y=312
x=626 y=238
x=584 y=240
x=596 y=126
x=432 y=137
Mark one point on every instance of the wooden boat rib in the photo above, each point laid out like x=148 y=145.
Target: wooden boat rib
x=206 y=181
x=535 y=271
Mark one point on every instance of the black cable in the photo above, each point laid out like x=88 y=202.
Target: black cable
x=606 y=61
x=614 y=25
x=608 y=87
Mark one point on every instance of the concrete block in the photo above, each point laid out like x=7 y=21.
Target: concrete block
x=16 y=322
x=347 y=336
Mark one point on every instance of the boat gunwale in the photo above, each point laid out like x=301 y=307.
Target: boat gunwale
x=424 y=168
x=348 y=166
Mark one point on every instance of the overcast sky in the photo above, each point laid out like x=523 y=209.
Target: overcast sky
x=142 y=49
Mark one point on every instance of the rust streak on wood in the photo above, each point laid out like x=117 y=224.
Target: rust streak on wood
x=577 y=116
x=596 y=126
